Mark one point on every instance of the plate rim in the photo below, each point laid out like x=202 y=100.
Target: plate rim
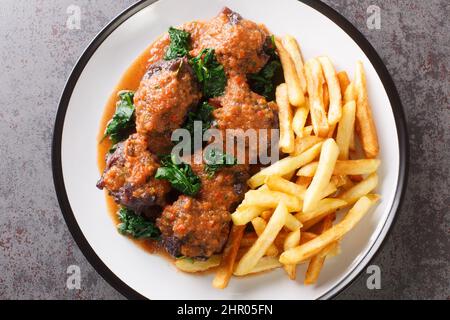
x=338 y=19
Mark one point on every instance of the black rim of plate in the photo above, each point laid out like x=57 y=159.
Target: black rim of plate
x=338 y=19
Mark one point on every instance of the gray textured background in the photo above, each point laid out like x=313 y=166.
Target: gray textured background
x=37 y=53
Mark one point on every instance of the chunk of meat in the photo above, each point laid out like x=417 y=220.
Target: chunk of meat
x=198 y=227
x=129 y=176
x=166 y=93
x=240 y=108
x=238 y=42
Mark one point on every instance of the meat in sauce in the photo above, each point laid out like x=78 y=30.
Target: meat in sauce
x=129 y=176
x=192 y=226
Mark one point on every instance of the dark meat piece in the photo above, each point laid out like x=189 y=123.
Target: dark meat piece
x=166 y=93
x=198 y=227
x=238 y=42
x=129 y=176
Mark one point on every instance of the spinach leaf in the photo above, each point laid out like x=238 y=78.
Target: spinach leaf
x=209 y=73
x=180 y=176
x=216 y=159
x=179 y=44
x=263 y=82
x=123 y=119
x=203 y=114
x=136 y=226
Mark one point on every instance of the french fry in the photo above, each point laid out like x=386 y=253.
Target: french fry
x=365 y=123
x=191 y=265
x=334 y=90
x=344 y=167
x=271 y=199
x=277 y=183
x=304 y=182
x=244 y=214
x=307 y=236
x=299 y=120
x=264 y=264
x=313 y=247
x=316 y=262
x=332 y=130
x=326 y=97
x=259 y=224
x=344 y=81
x=339 y=181
x=328 y=157
x=350 y=93
x=291 y=241
x=304 y=143
x=292 y=223
x=294 y=88
x=267 y=214
x=287 y=138
x=315 y=80
x=256 y=252
x=292 y=47
x=285 y=166
x=346 y=129
x=324 y=208
x=225 y=269
x=307 y=131
x=361 y=189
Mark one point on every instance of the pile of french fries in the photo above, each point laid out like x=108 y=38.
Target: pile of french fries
x=329 y=136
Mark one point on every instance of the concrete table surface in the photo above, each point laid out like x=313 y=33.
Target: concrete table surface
x=37 y=53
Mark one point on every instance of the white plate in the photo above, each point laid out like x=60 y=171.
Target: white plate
x=138 y=274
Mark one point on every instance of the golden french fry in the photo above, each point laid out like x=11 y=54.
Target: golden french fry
x=307 y=131
x=287 y=138
x=259 y=224
x=334 y=91
x=344 y=167
x=225 y=269
x=365 y=123
x=339 y=181
x=327 y=160
x=292 y=47
x=324 y=208
x=344 y=80
x=307 y=236
x=304 y=143
x=361 y=189
x=331 y=130
x=271 y=199
x=304 y=182
x=346 y=129
x=329 y=190
x=292 y=240
x=315 y=80
x=294 y=88
x=350 y=93
x=316 y=262
x=256 y=252
x=264 y=264
x=299 y=120
x=244 y=214
x=277 y=183
x=326 y=97
x=292 y=223
x=191 y=265
x=313 y=247
x=267 y=214
x=285 y=166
